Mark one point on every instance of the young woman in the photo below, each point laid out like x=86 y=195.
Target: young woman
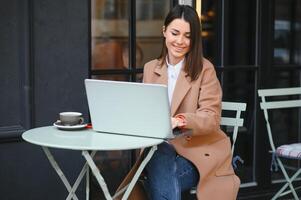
x=202 y=159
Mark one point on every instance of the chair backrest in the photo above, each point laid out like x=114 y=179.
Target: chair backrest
x=234 y=122
x=266 y=105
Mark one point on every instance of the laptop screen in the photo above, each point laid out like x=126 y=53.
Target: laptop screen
x=128 y=108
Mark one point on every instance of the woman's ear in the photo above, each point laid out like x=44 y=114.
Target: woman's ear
x=163 y=30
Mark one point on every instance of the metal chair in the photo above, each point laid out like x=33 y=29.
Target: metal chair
x=231 y=122
x=234 y=122
x=290 y=151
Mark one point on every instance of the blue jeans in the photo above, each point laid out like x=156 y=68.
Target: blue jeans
x=169 y=174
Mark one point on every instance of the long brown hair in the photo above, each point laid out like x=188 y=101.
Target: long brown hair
x=194 y=58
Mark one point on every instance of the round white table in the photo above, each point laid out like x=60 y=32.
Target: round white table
x=87 y=140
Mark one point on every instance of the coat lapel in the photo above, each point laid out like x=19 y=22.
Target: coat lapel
x=182 y=87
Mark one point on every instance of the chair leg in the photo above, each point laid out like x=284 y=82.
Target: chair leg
x=289 y=182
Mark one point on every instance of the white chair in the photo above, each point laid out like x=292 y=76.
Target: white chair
x=290 y=151
x=234 y=122
x=231 y=122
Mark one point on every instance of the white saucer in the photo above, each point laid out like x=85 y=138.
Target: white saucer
x=64 y=127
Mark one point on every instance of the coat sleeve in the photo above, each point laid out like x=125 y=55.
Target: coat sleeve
x=206 y=119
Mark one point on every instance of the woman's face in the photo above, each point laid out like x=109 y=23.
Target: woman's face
x=177 y=40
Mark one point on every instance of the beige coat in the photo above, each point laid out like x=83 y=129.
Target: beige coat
x=208 y=147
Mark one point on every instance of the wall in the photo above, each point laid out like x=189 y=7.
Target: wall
x=44 y=59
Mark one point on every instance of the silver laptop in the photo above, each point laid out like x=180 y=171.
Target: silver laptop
x=126 y=108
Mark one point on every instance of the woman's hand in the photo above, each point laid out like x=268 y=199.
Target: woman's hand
x=177 y=122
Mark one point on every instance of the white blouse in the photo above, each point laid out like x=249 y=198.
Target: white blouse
x=173 y=74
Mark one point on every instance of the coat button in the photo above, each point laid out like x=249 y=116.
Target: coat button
x=188 y=138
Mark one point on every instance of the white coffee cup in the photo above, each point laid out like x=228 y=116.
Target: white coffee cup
x=71 y=118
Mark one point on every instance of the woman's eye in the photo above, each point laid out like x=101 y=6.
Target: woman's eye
x=173 y=33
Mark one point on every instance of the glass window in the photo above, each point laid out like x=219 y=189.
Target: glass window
x=239 y=36
x=209 y=27
x=287 y=32
x=149 y=22
x=109 y=38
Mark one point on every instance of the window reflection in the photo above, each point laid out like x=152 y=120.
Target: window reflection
x=287 y=29
x=110 y=9
x=109 y=33
x=151 y=9
x=149 y=23
x=110 y=28
x=208 y=23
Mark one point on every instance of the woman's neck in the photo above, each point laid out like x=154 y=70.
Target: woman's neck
x=174 y=61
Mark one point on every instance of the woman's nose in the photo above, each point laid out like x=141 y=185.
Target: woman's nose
x=180 y=40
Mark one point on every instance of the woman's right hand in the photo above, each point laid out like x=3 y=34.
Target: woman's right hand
x=177 y=122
